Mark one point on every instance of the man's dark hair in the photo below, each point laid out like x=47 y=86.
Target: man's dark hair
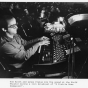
x=3 y=20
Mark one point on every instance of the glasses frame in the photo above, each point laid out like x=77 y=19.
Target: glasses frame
x=13 y=26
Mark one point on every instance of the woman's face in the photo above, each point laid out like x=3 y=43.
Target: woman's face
x=12 y=26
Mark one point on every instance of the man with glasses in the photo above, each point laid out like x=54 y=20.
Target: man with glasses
x=13 y=47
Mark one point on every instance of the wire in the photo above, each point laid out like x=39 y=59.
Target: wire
x=82 y=67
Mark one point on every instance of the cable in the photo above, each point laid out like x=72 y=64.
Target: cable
x=82 y=67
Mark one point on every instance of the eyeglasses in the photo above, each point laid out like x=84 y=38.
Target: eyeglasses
x=13 y=26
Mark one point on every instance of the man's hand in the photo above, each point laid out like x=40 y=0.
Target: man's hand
x=44 y=42
x=44 y=38
x=39 y=44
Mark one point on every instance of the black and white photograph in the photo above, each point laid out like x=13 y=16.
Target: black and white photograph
x=44 y=40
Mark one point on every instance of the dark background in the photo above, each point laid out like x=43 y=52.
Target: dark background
x=52 y=11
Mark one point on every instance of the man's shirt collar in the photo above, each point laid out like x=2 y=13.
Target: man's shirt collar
x=8 y=38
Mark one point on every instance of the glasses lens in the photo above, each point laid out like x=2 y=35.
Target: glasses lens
x=13 y=26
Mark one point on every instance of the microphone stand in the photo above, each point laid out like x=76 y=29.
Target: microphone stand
x=71 y=70
x=73 y=58
x=69 y=61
